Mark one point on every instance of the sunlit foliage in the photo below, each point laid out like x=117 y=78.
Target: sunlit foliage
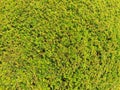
x=59 y=44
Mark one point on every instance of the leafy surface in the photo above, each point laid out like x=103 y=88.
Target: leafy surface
x=59 y=45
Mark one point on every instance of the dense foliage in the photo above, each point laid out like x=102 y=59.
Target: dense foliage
x=59 y=45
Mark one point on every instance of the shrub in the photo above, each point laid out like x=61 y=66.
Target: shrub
x=59 y=44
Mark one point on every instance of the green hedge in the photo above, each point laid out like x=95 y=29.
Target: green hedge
x=59 y=45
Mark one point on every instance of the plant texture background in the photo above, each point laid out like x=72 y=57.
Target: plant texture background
x=59 y=44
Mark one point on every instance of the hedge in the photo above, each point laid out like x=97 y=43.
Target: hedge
x=59 y=45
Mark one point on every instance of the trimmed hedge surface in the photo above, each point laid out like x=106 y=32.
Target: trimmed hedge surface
x=59 y=45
